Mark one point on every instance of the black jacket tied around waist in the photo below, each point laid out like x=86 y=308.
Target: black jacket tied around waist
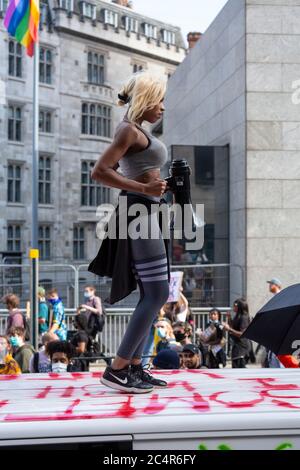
x=114 y=256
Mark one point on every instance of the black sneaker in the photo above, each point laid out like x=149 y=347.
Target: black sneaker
x=124 y=381
x=146 y=377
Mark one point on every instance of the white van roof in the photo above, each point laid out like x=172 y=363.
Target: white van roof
x=38 y=406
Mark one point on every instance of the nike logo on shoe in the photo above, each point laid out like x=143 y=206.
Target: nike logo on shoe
x=122 y=381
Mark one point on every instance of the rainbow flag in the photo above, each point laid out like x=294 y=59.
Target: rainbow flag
x=22 y=22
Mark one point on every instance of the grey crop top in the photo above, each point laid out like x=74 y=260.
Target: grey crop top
x=137 y=163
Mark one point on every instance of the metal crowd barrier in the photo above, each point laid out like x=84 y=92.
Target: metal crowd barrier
x=116 y=322
x=203 y=284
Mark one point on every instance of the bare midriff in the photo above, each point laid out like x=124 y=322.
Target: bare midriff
x=148 y=176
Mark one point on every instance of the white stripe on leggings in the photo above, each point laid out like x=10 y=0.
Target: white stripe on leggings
x=161 y=269
x=150 y=264
x=164 y=277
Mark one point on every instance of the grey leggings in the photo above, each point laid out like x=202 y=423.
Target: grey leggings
x=149 y=265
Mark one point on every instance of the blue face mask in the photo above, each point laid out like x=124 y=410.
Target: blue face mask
x=161 y=332
x=14 y=342
x=87 y=295
x=52 y=301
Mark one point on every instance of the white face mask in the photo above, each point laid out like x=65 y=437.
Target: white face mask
x=59 y=367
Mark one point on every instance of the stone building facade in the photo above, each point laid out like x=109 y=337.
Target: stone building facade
x=239 y=86
x=87 y=50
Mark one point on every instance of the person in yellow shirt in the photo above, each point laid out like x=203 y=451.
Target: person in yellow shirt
x=8 y=366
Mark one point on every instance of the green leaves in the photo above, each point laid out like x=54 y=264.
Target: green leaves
x=225 y=447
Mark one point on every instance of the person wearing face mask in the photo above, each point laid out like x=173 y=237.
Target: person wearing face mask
x=93 y=310
x=183 y=332
x=212 y=340
x=61 y=353
x=22 y=352
x=166 y=336
x=40 y=361
x=8 y=366
x=58 y=323
x=44 y=312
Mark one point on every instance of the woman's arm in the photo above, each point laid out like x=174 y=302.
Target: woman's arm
x=104 y=170
x=233 y=332
x=184 y=299
x=88 y=307
x=98 y=306
x=203 y=339
x=81 y=347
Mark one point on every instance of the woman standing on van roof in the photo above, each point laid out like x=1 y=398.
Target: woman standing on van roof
x=140 y=157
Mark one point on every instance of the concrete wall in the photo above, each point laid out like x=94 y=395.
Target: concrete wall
x=273 y=145
x=206 y=106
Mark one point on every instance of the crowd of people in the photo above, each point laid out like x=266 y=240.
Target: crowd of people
x=59 y=350
x=174 y=341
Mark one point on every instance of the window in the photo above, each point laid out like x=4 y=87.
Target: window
x=137 y=68
x=15 y=123
x=111 y=17
x=45 y=121
x=168 y=37
x=46 y=65
x=78 y=242
x=43 y=14
x=96 y=120
x=45 y=242
x=3 y=7
x=95 y=68
x=66 y=4
x=88 y=10
x=150 y=31
x=131 y=25
x=204 y=166
x=14 y=59
x=44 y=179
x=14 y=183
x=92 y=194
x=13 y=237
x=210 y=187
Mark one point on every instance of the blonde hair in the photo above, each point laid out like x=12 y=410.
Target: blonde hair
x=143 y=92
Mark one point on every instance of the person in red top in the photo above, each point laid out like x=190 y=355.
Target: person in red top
x=288 y=361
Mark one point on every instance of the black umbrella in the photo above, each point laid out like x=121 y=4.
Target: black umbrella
x=277 y=325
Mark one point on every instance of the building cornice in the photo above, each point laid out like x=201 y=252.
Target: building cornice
x=117 y=46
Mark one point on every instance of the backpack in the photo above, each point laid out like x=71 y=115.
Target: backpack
x=97 y=321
